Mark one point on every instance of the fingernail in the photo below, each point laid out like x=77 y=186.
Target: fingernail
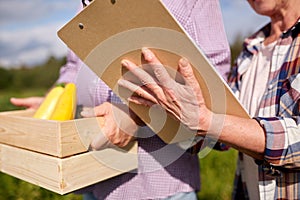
x=87 y=113
x=83 y=113
x=124 y=63
x=147 y=53
x=121 y=82
x=183 y=62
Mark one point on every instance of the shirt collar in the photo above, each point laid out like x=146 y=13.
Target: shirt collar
x=293 y=31
x=252 y=43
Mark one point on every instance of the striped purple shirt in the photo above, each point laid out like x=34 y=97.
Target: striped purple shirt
x=161 y=172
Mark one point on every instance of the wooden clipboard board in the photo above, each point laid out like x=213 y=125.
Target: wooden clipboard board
x=107 y=31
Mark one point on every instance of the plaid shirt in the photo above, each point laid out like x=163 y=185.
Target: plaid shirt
x=279 y=115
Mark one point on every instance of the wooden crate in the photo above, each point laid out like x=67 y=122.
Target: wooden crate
x=54 y=154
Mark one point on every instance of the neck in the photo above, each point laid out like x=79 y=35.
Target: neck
x=284 y=19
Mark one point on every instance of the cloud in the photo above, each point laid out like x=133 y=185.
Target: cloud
x=30 y=46
x=28 y=33
x=28 y=28
x=19 y=11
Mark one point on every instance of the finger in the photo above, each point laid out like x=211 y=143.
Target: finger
x=141 y=74
x=99 y=142
x=186 y=70
x=143 y=93
x=87 y=112
x=18 y=101
x=31 y=102
x=86 y=108
x=140 y=101
x=150 y=57
x=103 y=109
x=157 y=67
x=146 y=79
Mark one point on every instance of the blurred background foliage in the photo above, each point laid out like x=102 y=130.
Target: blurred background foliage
x=217 y=168
x=36 y=77
x=43 y=76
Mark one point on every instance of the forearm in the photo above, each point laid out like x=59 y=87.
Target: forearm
x=245 y=135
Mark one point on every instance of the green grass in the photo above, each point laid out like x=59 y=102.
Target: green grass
x=217 y=175
x=217 y=169
x=15 y=189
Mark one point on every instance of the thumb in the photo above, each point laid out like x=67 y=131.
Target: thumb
x=103 y=109
x=87 y=112
x=97 y=111
x=99 y=142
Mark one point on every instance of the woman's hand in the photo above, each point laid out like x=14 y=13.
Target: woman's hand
x=184 y=101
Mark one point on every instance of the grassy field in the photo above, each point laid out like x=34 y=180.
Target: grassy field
x=217 y=175
x=217 y=170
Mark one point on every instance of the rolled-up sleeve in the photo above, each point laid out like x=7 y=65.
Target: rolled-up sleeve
x=282 y=141
x=283 y=131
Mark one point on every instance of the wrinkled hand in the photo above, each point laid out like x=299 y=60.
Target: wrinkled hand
x=29 y=103
x=183 y=100
x=118 y=128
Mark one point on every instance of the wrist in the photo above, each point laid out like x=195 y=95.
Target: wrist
x=205 y=120
x=212 y=125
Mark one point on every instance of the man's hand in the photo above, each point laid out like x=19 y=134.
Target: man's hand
x=118 y=128
x=183 y=100
x=29 y=103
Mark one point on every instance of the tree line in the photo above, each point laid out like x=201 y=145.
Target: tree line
x=44 y=75
x=40 y=76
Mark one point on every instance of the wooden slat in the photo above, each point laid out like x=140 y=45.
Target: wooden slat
x=38 y=169
x=76 y=135
x=64 y=175
x=24 y=113
x=56 y=138
x=29 y=133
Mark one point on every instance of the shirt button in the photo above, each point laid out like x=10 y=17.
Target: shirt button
x=270 y=86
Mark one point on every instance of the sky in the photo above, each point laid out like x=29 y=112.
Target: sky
x=28 y=29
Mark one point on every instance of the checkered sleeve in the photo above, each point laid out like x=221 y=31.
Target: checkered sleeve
x=283 y=132
x=282 y=141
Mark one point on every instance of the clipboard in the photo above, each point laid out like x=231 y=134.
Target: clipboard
x=106 y=31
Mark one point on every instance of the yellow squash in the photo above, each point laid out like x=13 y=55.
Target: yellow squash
x=48 y=105
x=66 y=106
